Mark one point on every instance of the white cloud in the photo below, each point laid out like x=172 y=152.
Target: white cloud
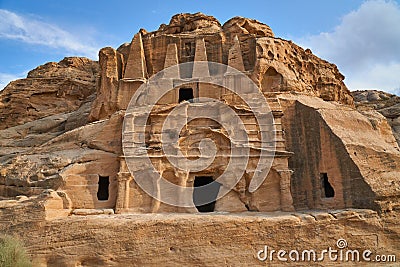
x=36 y=32
x=5 y=78
x=365 y=46
x=377 y=76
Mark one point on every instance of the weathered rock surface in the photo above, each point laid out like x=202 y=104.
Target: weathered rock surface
x=326 y=141
x=57 y=160
x=61 y=94
x=49 y=89
x=110 y=62
x=61 y=147
x=274 y=64
x=386 y=104
x=192 y=240
x=61 y=142
x=240 y=26
x=182 y=23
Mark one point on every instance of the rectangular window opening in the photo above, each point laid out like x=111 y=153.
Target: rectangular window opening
x=327 y=189
x=103 y=189
x=186 y=94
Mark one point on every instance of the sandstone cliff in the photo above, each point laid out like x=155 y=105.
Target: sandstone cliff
x=48 y=142
x=55 y=98
x=325 y=139
x=274 y=64
x=197 y=240
x=50 y=89
x=61 y=132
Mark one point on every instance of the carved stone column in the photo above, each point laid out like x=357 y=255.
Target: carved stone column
x=286 y=196
x=122 y=204
x=155 y=205
x=183 y=177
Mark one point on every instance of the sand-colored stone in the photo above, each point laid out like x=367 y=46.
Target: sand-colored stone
x=273 y=63
x=72 y=154
x=335 y=171
x=193 y=240
x=110 y=62
x=65 y=152
x=49 y=89
x=323 y=135
x=136 y=65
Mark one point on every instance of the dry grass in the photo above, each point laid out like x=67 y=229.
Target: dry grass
x=12 y=253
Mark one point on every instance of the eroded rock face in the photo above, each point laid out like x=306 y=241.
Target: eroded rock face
x=61 y=153
x=110 y=62
x=49 y=89
x=184 y=23
x=274 y=64
x=64 y=137
x=77 y=68
x=336 y=145
x=67 y=160
x=386 y=104
x=242 y=26
x=54 y=99
x=165 y=240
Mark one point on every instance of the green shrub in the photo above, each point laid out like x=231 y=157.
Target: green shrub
x=12 y=253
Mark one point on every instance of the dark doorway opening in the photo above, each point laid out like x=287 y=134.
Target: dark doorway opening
x=204 y=198
x=185 y=94
x=102 y=191
x=327 y=189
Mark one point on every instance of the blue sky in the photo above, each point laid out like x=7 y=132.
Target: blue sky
x=361 y=36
